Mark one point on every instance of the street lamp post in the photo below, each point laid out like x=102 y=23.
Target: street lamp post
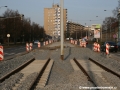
x=62 y=31
x=106 y=29
x=119 y=25
x=110 y=29
x=101 y=31
x=3 y=6
x=76 y=32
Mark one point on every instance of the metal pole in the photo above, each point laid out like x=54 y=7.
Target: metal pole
x=119 y=28
x=106 y=34
x=110 y=28
x=8 y=41
x=76 y=31
x=62 y=31
x=101 y=33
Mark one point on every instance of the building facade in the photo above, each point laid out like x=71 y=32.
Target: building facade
x=111 y=34
x=74 y=28
x=52 y=20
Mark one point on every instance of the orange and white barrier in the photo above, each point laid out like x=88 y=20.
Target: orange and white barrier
x=84 y=44
x=1 y=53
x=44 y=43
x=27 y=47
x=80 y=43
x=49 y=41
x=95 y=46
x=98 y=47
x=107 y=48
x=31 y=46
x=70 y=41
x=75 y=42
x=39 y=45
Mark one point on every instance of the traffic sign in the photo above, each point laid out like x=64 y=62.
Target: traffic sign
x=8 y=35
x=114 y=36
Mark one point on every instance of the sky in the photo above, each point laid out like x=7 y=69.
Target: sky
x=83 y=12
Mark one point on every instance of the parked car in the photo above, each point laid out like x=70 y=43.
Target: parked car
x=112 y=46
x=118 y=45
x=67 y=39
x=36 y=41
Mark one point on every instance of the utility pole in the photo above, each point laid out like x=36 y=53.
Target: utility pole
x=119 y=25
x=62 y=31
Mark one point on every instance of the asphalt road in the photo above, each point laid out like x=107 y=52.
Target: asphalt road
x=17 y=50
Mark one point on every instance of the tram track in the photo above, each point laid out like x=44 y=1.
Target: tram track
x=94 y=71
x=105 y=68
x=33 y=73
x=85 y=72
x=16 y=70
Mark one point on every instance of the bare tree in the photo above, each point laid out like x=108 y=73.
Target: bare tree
x=19 y=30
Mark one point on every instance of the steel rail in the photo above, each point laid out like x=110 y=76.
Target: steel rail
x=16 y=70
x=85 y=72
x=105 y=68
x=34 y=83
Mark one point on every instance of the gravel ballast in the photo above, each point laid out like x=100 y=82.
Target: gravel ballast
x=63 y=76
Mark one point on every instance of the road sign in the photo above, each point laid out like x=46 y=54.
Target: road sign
x=114 y=36
x=8 y=35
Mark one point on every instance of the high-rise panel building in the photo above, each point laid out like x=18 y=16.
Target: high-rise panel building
x=52 y=20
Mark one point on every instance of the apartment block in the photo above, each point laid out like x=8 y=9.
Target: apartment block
x=73 y=27
x=52 y=20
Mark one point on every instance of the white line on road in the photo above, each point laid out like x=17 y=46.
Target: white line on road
x=9 y=53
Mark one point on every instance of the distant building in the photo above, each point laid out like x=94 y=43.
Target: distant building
x=73 y=27
x=52 y=20
x=111 y=34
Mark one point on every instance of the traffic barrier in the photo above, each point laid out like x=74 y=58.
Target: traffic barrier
x=49 y=41
x=70 y=41
x=95 y=46
x=1 y=53
x=31 y=46
x=39 y=45
x=98 y=47
x=84 y=44
x=27 y=47
x=80 y=43
x=75 y=42
x=107 y=48
x=44 y=43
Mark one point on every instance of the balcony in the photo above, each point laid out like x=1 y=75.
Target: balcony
x=58 y=16
x=58 y=11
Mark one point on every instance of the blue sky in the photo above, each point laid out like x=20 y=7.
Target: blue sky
x=80 y=11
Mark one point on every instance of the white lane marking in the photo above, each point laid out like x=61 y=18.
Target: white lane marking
x=9 y=53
